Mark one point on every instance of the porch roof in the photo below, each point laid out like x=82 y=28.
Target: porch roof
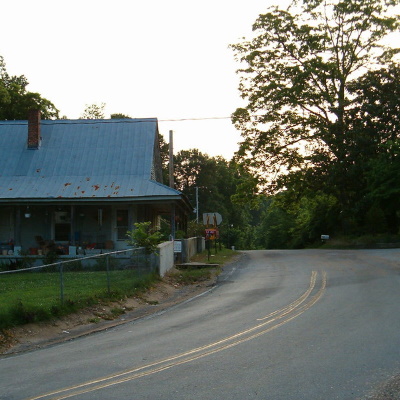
x=124 y=187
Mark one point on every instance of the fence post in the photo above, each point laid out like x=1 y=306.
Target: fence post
x=108 y=273
x=60 y=266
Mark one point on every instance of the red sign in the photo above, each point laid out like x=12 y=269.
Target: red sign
x=212 y=234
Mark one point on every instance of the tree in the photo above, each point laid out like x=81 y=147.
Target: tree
x=16 y=101
x=216 y=180
x=119 y=116
x=164 y=154
x=297 y=71
x=374 y=127
x=374 y=119
x=94 y=111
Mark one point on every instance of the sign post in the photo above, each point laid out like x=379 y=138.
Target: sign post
x=211 y=232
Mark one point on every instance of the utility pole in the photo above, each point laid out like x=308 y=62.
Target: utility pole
x=197 y=204
x=171 y=180
x=171 y=159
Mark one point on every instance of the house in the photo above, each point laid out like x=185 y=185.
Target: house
x=81 y=183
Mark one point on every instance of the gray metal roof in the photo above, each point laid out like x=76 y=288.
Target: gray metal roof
x=80 y=159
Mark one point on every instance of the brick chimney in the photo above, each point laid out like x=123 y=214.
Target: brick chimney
x=34 y=129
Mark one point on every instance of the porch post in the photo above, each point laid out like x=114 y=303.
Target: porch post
x=17 y=226
x=173 y=221
x=72 y=226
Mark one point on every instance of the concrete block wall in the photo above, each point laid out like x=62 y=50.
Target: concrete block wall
x=190 y=247
x=166 y=257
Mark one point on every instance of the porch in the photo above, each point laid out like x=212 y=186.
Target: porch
x=76 y=229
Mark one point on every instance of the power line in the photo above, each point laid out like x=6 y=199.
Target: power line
x=192 y=119
x=108 y=121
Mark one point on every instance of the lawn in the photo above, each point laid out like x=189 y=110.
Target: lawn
x=35 y=296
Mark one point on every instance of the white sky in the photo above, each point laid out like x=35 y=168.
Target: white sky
x=146 y=58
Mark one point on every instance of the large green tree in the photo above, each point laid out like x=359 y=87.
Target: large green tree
x=295 y=78
x=374 y=124
x=16 y=100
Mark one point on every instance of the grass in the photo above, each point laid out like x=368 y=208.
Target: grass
x=219 y=256
x=36 y=296
x=193 y=275
x=363 y=242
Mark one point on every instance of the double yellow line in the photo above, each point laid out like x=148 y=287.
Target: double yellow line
x=267 y=324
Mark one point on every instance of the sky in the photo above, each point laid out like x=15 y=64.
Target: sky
x=168 y=59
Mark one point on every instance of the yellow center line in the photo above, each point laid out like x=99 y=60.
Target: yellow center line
x=204 y=351
x=297 y=302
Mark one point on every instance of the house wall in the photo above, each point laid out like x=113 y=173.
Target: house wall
x=38 y=224
x=93 y=226
x=6 y=225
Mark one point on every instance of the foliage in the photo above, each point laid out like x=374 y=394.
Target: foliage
x=321 y=123
x=275 y=225
x=297 y=70
x=195 y=229
x=164 y=154
x=94 y=111
x=191 y=276
x=119 y=116
x=144 y=236
x=210 y=183
x=51 y=257
x=16 y=101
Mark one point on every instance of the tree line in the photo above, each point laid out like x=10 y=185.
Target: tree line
x=320 y=126
x=320 y=129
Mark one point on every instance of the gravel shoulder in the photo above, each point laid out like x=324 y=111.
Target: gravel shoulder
x=389 y=390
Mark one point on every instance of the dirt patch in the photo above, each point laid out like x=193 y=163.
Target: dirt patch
x=162 y=295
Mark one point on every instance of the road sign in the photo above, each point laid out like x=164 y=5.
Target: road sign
x=213 y=219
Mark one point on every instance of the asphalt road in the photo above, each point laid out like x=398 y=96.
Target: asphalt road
x=284 y=325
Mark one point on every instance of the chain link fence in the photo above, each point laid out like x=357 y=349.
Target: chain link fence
x=33 y=285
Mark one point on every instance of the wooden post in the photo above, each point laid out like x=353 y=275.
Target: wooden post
x=171 y=159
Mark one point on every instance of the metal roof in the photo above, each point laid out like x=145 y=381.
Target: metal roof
x=80 y=159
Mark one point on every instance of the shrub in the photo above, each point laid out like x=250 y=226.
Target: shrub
x=144 y=236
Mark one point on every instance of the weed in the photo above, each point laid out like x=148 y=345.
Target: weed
x=190 y=276
x=117 y=311
x=152 y=302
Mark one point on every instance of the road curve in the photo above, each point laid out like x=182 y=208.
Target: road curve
x=304 y=324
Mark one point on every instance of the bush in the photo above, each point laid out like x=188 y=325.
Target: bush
x=144 y=236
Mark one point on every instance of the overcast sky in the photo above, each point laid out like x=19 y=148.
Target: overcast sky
x=167 y=59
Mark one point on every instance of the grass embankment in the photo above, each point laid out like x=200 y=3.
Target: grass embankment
x=36 y=296
x=381 y=241
x=212 y=266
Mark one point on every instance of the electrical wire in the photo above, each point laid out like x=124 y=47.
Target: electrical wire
x=107 y=121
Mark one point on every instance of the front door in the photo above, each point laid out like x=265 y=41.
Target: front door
x=121 y=227
x=62 y=226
